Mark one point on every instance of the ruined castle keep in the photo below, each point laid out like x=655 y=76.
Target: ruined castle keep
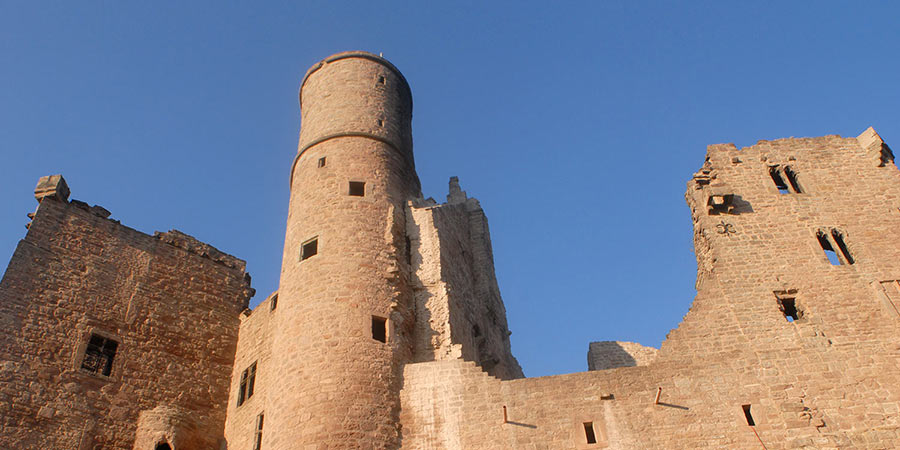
x=388 y=330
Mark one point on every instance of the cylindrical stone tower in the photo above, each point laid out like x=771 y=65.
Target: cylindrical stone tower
x=337 y=344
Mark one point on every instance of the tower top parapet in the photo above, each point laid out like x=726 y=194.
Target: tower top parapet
x=354 y=54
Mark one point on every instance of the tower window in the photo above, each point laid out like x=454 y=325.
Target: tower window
x=163 y=446
x=99 y=355
x=248 y=380
x=589 y=433
x=309 y=248
x=274 y=303
x=379 y=329
x=257 y=440
x=381 y=80
x=835 y=249
x=748 y=416
x=322 y=162
x=792 y=179
x=789 y=308
x=357 y=188
x=380 y=122
x=780 y=174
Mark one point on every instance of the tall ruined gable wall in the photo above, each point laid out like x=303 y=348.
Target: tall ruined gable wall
x=459 y=312
x=171 y=302
x=830 y=379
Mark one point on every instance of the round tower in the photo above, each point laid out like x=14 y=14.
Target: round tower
x=337 y=344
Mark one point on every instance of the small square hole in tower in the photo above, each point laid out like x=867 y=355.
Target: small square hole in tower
x=322 y=162
x=748 y=416
x=379 y=329
x=357 y=188
x=309 y=248
x=789 y=308
x=381 y=80
x=589 y=433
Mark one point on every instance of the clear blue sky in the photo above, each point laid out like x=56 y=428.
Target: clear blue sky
x=577 y=125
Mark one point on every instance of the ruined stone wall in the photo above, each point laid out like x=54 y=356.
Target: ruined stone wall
x=828 y=379
x=459 y=312
x=171 y=303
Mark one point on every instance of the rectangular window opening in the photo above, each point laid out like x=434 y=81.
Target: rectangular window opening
x=839 y=240
x=381 y=80
x=789 y=308
x=829 y=250
x=357 y=188
x=792 y=179
x=774 y=172
x=248 y=380
x=99 y=355
x=589 y=433
x=379 y=329
x=322 y=162
x=309 y=248
x=257 y=442
x=274 y=303
x=748 y=416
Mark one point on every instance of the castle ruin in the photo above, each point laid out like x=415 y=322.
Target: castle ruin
x=388 y=330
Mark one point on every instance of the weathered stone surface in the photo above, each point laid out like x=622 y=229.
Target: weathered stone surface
x=393 y=333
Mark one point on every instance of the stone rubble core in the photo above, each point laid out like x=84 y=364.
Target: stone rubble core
x=388 y=329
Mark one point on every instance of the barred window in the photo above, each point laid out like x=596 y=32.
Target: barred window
x=99 y=355
x=248 y=379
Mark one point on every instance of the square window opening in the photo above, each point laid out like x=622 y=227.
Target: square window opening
x=322 y=162
x=789 y=308
x=380 y=122
x=748 y=416
x=379 y=329
x=589 y=433
x=99 y=355
x=779 y=181
x=357 y=188
x=309 y=248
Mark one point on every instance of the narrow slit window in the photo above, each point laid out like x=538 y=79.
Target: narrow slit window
x=839 y=240
x=829 y=250
x=357 y=188
x=257 y=439
x=99 y=355
x=748 y=416
x=408 y=251
x=322 y=162
x=792 y=179
x=789 y=308
x=775 y=173
x=589 y=433
x=274 y=303
x=379 y=329
x=309 y=248
x=248 y=380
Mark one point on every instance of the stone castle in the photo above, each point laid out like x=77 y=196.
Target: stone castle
x=388 y=330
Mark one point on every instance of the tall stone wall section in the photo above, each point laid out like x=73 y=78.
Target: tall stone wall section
x=337 y=383
x=170 y=302
x=459 y=311
x=828 y=379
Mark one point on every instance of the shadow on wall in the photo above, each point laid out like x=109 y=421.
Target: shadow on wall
x=611 y=354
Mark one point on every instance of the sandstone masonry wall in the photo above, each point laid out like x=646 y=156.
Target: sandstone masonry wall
x=171 y=303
